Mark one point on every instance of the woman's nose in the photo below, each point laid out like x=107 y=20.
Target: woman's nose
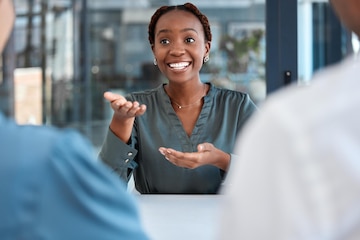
x=177 y=49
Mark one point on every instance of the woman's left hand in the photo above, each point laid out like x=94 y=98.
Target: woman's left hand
x=207 y=154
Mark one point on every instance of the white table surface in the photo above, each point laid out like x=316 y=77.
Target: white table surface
x=180 y=217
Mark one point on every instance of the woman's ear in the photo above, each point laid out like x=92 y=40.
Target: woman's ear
x=207 y=47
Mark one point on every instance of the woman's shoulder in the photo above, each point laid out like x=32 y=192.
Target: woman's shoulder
x=229 y=98
x=222 y=92
x=147 y=93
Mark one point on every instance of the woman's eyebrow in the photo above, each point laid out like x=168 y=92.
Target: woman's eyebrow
x=183 y=30
x=189 y=29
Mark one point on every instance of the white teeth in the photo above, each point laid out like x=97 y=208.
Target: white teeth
x=179 y=65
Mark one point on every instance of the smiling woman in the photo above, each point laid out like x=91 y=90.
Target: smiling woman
x=177 y=137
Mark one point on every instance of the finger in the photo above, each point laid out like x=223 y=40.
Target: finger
x=169 y=153
x=203 y=147
x=111 y=96
x=120 y=106
x=164 y=150
x=141 y=110
x=132 y=108
x=115 y=100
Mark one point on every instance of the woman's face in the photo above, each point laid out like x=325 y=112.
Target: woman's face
x=180 y=45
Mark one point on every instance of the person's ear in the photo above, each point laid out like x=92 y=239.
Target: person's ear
x=207 y=47
x=152 y=49
x=7 y=17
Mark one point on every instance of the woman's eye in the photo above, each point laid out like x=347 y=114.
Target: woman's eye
x=164 y=41
x=189 y=40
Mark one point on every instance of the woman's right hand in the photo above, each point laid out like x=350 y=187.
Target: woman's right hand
x=124 y=115
x=123 y=108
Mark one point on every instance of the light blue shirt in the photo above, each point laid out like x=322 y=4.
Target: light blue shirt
x=223 y=115
x=52 y=187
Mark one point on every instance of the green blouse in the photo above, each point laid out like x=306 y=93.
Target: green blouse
x=223 y=115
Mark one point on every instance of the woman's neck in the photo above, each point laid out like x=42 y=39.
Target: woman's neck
x=185 y=95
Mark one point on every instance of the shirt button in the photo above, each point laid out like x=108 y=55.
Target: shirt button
x=130 y=154
x=127 y=160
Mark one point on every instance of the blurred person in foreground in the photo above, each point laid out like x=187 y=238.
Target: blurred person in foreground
x=299 y=174
x=52 y=186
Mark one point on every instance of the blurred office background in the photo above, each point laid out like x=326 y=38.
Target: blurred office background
x=63 y=54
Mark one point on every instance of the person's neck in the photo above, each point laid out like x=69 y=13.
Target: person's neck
x=183 y=96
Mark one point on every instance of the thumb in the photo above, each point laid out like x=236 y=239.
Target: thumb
x=109 y=96
x=114 y=97
x=204 y=147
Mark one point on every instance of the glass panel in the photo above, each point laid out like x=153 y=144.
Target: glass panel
x=68 y=52
x=122 y=52
x=321 y=38
x=43 y=74
x=123 y=60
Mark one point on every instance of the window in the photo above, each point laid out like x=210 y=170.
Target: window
x=67 y=53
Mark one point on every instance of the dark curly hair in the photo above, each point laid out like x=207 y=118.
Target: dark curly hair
x=189 y=7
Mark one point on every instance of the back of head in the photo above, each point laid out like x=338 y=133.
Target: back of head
x=53 y=187
x=348 y=12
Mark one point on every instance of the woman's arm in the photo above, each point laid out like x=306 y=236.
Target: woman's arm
x=124 y=115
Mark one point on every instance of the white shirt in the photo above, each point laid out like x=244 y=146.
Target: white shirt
x=298 y=174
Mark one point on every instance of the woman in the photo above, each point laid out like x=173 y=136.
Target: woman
x=176 y=138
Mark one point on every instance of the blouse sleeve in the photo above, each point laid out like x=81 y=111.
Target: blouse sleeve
x=118 y=155
x=248 y=108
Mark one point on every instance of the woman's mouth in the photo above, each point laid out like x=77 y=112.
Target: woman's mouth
x=179 y=65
